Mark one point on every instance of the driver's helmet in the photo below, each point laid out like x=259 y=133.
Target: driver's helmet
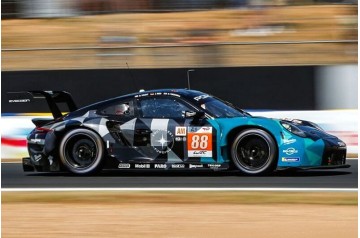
x=122 y=109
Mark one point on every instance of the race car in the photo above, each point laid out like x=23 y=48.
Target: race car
x=173 y=129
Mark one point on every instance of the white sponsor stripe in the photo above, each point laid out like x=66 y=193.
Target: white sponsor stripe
x=129 y=125
x=181 y=189
x=161 y=125
x=103 y=130
x=128 y=129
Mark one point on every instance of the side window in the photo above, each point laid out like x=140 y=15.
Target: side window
x=124 y=108
x=163 y=108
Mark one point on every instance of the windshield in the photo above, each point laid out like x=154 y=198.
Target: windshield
x=220 y=108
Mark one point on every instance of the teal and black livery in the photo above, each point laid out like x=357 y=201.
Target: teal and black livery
x=173 y=129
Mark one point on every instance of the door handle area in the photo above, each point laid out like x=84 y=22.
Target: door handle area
x=143 y=132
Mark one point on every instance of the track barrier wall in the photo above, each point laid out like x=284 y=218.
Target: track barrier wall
x=284 y=92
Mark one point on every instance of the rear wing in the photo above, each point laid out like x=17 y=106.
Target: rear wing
x=52 y=98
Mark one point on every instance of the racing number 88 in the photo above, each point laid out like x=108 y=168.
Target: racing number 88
x=199 y=142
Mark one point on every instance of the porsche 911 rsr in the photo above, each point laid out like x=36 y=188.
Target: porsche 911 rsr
x=173 y=129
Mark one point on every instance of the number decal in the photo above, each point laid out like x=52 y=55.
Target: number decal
x=199 y=142
x=195 y=142
x=204 y=141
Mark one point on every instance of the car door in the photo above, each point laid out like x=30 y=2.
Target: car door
x=165 y=134
x=121 y=118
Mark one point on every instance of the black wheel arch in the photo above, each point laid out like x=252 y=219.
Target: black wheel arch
x=60 y=134
x=233 y=133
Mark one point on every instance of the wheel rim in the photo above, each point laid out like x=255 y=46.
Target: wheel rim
x=80 y=152
x=253 y=152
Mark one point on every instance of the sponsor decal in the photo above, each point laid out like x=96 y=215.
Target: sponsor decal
x=124 y=166
x=290 y=151
x=160 y=166
x=37 y=157
x=142 y=95
x=162 y=141
x=37 y=141
x=178 y=166
x=289 y=141
x=180 y=131
x=200 y=129
x=194 y=166
x=199 y=141
x=198 y=153
x=142 y=166
x=198 y=98
x=214 y=165
x=19 y=100
x=158 y=93
x=293 y=159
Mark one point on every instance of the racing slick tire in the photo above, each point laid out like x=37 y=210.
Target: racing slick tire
x=82 y=151
x=254 y=152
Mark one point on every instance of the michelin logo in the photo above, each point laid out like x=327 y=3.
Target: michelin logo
x=124 y=166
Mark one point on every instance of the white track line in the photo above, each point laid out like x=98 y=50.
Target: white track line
x=155 y=189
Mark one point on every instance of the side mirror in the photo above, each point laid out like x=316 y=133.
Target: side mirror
x=195 y=115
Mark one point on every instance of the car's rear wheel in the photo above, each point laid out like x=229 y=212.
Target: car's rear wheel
x=82 y=151
x=254 y=152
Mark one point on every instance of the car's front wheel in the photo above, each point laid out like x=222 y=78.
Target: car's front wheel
x=253 y=152
x=82 y=151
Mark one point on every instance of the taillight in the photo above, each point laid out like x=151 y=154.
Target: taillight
x=42 y=129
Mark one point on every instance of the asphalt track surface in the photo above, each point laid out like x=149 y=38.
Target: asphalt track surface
x=12 y=176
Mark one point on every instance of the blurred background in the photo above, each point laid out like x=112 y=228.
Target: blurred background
x=58 y=34
x=278 y=58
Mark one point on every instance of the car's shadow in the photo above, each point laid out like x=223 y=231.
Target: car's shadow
x=153 y=173
x=309 y=173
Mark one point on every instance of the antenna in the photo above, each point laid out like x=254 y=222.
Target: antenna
x=132 y=77
x=188 y=76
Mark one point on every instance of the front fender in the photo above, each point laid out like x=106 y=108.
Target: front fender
x=227 y=125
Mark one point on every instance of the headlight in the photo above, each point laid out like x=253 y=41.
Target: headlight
x=293 y=129
x=341 y=144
